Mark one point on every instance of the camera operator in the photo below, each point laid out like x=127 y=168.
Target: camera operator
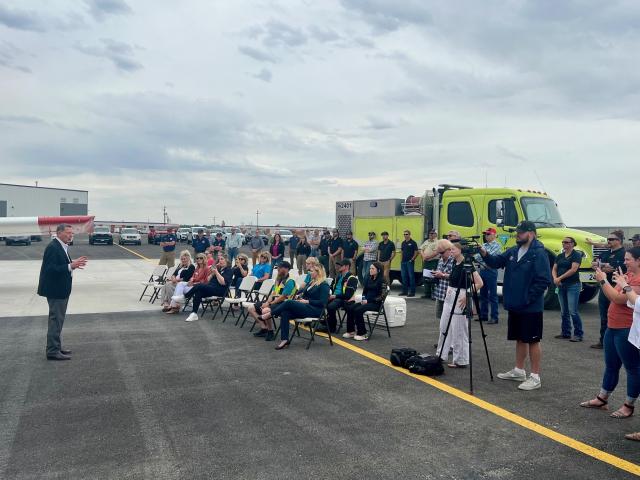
x=489 y=291
x=458 y=335
x=527 y=276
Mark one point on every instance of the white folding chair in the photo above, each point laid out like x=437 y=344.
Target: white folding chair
x=156 y=281
x=312 y=324
x=246 y=286
x=261 y=295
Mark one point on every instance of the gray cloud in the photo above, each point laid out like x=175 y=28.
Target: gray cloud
x=324 y=34
x=386 y=15
x=31 y=20
x=256 y=54
x=276 y=33
x=9 y=55
x=100 y=9
x=21 y=19
x=119 y=53
x=265 y=75
x=380 y=123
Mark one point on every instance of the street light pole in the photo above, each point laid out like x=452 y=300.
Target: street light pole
x=257 y=216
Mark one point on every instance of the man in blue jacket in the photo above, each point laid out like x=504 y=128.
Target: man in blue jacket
x=527 y=275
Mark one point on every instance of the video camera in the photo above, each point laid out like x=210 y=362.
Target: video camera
x=470 y=246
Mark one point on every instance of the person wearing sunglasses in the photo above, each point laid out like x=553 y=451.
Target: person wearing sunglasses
x=567 y=281
x=608 y=263
x=410 y=251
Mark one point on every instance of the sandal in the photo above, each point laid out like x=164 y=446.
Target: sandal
x=173 y=310
x=635 y=436
x=618 y=414
x=602 y=405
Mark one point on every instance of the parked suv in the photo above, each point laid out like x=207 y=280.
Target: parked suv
x=13 y=239
x=130 y=235
x=183 y=234
x=101 y=235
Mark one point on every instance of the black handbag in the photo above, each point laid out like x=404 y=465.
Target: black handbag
x=428 y=365
x=399 y=356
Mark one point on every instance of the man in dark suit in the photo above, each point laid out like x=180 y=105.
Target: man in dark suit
x=55 y=284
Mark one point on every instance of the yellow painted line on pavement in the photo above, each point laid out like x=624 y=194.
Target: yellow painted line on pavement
x=135 y=253
x=581 y=447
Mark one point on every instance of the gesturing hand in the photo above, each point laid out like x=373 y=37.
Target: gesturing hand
x=79 y=262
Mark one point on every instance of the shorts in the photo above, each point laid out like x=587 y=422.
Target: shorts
x=525 y=326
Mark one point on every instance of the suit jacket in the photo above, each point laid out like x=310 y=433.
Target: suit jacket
x=55 y=277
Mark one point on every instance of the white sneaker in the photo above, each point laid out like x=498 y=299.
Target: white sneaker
x=178 y=298
x=530 y=384
x=348 y=335
x=192 y=317
x=359 y=337
x=513 y=375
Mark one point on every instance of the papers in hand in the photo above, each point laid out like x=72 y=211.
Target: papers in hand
x=426 y=273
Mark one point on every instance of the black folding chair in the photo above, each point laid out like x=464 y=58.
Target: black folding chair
x=377 y=314
x=214 y=303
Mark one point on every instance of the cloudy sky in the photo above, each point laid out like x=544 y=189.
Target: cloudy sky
x=219 y=108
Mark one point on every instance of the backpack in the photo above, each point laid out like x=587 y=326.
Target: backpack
x=428 y=365
x=399 y=356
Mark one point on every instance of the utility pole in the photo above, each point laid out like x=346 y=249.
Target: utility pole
x=257 y=218
x=164 y=214
x=214 y=221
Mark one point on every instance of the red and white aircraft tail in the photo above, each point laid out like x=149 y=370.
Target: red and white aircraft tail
x=45 y=226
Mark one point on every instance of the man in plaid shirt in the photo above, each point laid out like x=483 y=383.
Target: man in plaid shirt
x=489 y=290
x=370 y=253
x=442 y=272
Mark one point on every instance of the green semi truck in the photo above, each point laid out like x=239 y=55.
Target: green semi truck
x=470 y=211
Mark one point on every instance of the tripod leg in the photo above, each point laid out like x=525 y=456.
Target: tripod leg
x=445 y=334
x=476 y=301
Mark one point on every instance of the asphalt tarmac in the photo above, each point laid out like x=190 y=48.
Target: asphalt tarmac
x=148 y=395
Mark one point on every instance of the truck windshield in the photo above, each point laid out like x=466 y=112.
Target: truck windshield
x=542 y=211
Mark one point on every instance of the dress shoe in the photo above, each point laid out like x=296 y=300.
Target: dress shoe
x=65 y=352
x=58 y=356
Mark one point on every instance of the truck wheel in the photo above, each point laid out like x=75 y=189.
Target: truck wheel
x=588 y=293
x=419 y=278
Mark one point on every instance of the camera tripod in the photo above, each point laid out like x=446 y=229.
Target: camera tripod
x=472 y=299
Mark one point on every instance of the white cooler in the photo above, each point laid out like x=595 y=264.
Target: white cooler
x=396 y=310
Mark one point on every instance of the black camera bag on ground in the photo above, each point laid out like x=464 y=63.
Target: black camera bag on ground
x=399 y=356
x=428 y=365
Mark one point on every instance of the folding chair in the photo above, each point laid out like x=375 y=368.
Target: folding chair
x=156 y=281
x=261 y=295
x=311 y=323
x=246 y=286
x=208 y=302
x=380 y=313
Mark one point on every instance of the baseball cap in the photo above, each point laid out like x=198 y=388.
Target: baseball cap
x=526 y=226
x=343 y=262
x=433 y=230
x=285 y=264
x=385 y=233
x=372 y=233
x=490 y=231
x=636 y=237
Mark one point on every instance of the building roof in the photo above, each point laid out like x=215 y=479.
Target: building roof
x=46 y=188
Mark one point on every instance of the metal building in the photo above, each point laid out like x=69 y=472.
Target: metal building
x=27 y=201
